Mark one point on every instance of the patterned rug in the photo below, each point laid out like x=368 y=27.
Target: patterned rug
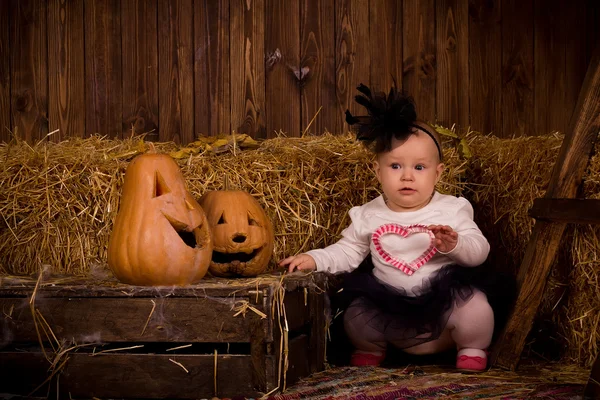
x=426 y=383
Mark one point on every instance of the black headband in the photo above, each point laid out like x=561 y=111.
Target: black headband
x=432 y=137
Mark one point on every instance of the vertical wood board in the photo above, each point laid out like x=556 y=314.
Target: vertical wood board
x=211 y=67
x=385 y=44
x=176 y=71
x=517 y=68
x=29 y=69
x=247 y=40
x=103 y=70
x=352 y=56
x=282 y=61
x=419 y=66
x=317 y=67
x=140 y=67
x=549 y=68
x=66 y=92
x=452 y=55
x=5 y=48
x=485 y=63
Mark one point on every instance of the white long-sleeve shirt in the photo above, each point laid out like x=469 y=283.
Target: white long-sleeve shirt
x=374 y=229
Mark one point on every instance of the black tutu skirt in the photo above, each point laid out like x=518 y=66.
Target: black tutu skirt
x=421 y=317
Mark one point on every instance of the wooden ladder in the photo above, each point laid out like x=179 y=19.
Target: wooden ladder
x=552 y=213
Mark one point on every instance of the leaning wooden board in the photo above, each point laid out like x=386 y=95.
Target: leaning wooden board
x=233 y=336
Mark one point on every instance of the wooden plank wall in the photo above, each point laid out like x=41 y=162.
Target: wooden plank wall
x=177 y=69
x=103 y=69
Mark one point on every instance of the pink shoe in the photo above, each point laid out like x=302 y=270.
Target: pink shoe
x=468 y=363
x=471 y=363
x=366 y=359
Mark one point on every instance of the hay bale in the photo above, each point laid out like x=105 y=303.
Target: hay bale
x=505 y=177
x=59 y=200
x=578 y=318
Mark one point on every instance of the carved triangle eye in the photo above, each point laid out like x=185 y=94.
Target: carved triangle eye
x=221 y=219
x=160 y=186
x=252 y=221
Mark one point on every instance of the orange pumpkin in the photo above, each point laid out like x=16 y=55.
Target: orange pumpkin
x=242 y=233
x=160 y=235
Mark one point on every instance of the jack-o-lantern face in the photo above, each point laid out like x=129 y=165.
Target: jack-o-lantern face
x=242 y=233
x=160 y=235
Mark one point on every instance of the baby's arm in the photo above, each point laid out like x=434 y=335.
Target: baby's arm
x=342 y=256
x=470 y=248
x=301 y=262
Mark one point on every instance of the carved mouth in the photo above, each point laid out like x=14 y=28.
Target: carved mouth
x=197 y=238
x=189 y=238
x=194 y=238
x=227 y=258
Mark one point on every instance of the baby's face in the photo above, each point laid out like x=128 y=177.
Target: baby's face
x=408 y=173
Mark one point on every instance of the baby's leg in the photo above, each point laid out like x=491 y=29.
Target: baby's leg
x=471 y=323
x=471 y=326
x=363 y=336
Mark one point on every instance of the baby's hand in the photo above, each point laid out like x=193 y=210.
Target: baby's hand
x=299 y=262
x=445 y=237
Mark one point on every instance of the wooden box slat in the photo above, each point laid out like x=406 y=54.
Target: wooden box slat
x=123 y=319
x=13 y=287
x=132 y=375
x=149 y=375
x=298 y=359
x=296 y=309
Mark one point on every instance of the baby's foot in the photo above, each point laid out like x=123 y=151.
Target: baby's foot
x=364 y=358
x=473 y=360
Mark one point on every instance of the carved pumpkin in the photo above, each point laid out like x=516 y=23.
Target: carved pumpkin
x=160 y=235
x=243 y=235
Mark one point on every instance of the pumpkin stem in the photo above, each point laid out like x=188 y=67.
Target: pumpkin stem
x=226 y=182
x=152 y=148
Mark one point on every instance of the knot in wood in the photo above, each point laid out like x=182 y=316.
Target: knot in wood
x=22 y=101
x=139 y=124
x=451 y=44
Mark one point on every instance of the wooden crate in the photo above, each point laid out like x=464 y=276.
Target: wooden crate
x=248 y=337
